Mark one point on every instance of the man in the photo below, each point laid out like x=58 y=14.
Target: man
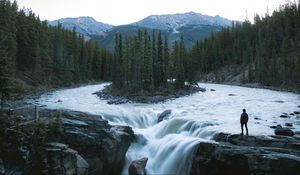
x=244 y=121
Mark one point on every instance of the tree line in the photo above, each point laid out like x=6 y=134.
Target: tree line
x=33 y=51
x=269 y=49
x=41 y=55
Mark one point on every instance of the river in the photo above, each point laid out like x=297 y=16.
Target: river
x=195 y=118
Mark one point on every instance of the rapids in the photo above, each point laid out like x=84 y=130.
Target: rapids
x=195 y=118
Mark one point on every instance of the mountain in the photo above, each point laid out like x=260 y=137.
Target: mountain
x=175 y=22
x=85 y=25
x=192 y=26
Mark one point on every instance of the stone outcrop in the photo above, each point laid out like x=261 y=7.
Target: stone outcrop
x=237 y=154
x=137 y=167
x=119 y=97
x=63 y=142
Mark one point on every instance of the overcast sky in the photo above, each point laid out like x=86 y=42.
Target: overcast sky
x=119 y=12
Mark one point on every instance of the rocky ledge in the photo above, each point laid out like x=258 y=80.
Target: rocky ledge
x=119 y=97
x=61 y=142
x=245 y=155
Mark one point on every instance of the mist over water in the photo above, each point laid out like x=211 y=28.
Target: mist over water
x=195 y=118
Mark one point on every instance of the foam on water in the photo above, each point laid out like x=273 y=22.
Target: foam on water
x=170 y=143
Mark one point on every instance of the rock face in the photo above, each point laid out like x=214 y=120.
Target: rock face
x=163 y=115
x=137 y=167
x=237 y=154
x=63 y=160
x=64 y=142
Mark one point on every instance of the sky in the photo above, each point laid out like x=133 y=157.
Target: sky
x=118 y=12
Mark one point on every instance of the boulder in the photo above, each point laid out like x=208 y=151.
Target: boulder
x=297 y=112
x=163 y=115
x=289 y=124
x=284 y=116
x=284 y=131
x=137 y=167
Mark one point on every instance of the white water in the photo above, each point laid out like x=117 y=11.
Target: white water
x=170 y=143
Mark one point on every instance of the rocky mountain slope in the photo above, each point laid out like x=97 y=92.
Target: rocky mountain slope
x=192 y=26
x=84 y=25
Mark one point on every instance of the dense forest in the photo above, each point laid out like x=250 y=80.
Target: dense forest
x=33 y=54
x=268 y=50
x=144 y=63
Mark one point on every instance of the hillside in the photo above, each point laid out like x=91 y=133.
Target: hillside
x=266 y=52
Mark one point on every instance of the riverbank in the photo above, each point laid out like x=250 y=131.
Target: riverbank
x=239 y=76
x=120 y=97
x=259 y=86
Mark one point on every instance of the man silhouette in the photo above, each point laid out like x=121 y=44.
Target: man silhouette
x=244 y=121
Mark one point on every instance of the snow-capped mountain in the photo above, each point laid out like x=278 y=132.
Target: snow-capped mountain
x=85 y=25
x=192 y=26
x=176 y=21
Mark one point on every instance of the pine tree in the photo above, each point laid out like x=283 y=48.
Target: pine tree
x=166 y=61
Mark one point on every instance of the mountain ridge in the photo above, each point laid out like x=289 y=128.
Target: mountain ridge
x=83 y=24
x=173 y=21
x=191 y=25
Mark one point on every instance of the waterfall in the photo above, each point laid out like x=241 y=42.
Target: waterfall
x=169 y=145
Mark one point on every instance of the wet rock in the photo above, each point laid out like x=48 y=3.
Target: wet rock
x=59 y=101
x=257 y=141
x=257 y=118
x=231 y=95
x=212 y=90
x=292 y=114
x=296 y=112
x=289 y=124
x=115 y=97
x=163 y=115
x=284 y=116
x=284 y=131
x=273 y=127
x=220 y=159
x=238 y=154
x=279 y=101
x=137 y=167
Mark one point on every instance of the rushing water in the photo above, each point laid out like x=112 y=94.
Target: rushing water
x=195 y=118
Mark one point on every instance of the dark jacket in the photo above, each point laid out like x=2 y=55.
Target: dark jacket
x=244 y=118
